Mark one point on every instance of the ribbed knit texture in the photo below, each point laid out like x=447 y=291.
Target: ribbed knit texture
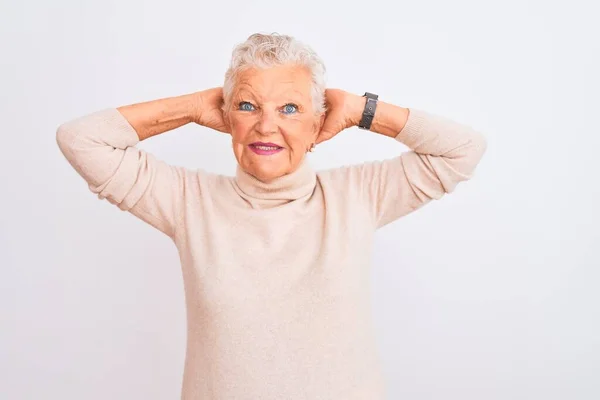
x=276 y=275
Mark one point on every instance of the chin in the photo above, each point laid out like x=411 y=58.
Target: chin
x=266 y=169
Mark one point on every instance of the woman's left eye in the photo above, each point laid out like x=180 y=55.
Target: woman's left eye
x=290 y=108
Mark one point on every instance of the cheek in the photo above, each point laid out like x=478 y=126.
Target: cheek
x=240 y=129
x=297 y=143
x=299 y=135
x=240 y=132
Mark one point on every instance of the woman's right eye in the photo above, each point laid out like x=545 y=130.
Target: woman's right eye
x=245 y=106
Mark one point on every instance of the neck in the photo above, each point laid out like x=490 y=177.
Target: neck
x=293 y=186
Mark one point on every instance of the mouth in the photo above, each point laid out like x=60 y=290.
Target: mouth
x=265 y=149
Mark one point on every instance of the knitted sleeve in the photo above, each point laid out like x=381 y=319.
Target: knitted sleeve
x=443 y=153
x=101 y=148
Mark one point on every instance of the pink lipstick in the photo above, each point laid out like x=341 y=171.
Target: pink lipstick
x=265 y=149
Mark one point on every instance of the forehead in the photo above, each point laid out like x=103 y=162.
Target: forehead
x=276 y=81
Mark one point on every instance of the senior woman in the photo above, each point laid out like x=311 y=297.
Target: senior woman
x=276 y=258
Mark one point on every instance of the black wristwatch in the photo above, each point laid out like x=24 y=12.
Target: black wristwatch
x=369 y=111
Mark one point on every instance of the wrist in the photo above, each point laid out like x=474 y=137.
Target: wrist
x=196 y=102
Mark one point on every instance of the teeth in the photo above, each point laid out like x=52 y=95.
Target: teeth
x=266 y=148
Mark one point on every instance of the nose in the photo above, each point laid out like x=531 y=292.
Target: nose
x=268 y=122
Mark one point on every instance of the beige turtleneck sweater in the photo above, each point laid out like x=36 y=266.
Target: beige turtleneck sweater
x=276 y=275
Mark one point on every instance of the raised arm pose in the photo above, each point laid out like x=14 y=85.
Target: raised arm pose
x=276 y=258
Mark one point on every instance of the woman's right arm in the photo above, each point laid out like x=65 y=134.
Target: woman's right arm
x=101 y=148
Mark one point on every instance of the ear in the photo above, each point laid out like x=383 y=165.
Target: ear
x=322 y=121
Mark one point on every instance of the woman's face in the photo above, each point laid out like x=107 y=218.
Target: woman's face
x=272 y=120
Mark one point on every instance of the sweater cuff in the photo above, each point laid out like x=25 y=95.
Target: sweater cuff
x=410 y=134
x=105 y=127
x=122 y=134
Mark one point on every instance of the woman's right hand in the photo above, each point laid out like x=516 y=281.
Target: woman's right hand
x=209 y=112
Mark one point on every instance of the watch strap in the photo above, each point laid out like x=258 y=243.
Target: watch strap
x=369 y=111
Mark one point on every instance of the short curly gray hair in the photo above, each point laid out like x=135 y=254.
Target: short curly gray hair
x=269 y=50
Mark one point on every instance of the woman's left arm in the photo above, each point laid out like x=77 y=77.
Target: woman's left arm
x=443 y=154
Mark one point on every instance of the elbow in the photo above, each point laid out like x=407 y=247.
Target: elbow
x=71 y=141
x=478 y=148
x=472 y=153
x=480 y=145
x=462 y=168
x=64 y=137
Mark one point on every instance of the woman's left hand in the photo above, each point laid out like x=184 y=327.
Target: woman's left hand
x=344 y=110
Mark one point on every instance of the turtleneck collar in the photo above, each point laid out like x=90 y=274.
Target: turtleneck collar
x=298 y=184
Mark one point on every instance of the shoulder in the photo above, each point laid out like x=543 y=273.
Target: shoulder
x=345 y=181
x=348 y=176
x=205 y=181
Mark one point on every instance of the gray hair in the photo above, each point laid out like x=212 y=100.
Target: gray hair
x=264 y=51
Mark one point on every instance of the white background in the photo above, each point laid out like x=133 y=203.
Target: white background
x=490 y=293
